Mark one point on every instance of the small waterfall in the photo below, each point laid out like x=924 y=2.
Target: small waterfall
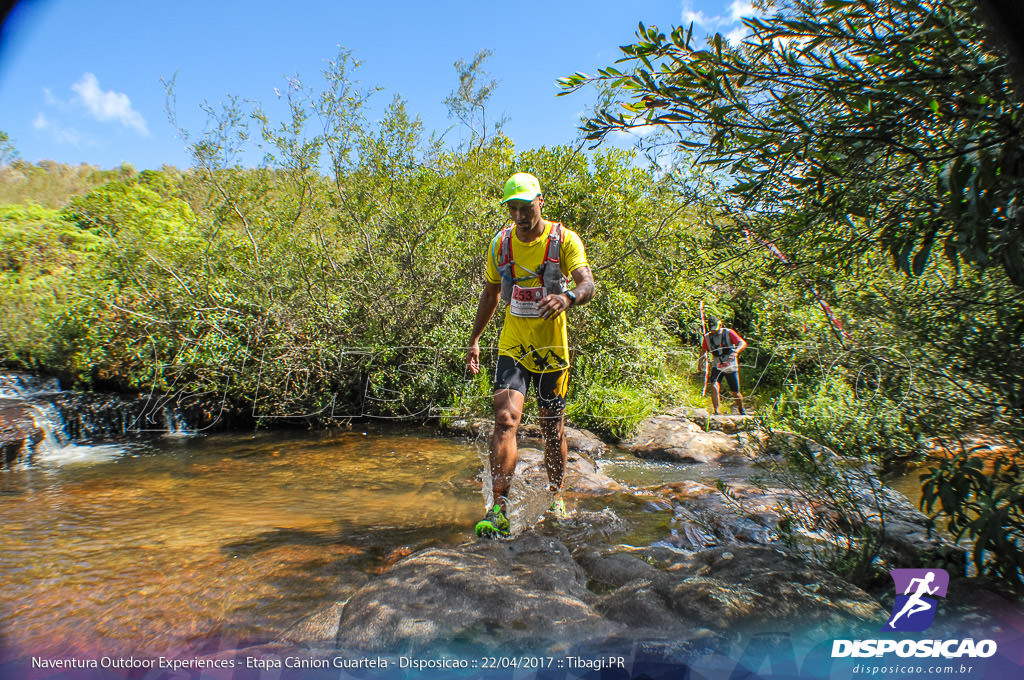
x=41 y=423
x=49 y=420
x=175 y=425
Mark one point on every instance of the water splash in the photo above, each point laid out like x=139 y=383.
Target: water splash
x=483 y=453
x=57 y=448
x=175 y=424
x=78 y=454
x=529 y=501
x=529 y=497
x=17 y=385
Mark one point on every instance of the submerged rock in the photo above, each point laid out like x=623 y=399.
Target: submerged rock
x=581 y=474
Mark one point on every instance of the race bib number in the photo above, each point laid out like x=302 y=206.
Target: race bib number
x=525 y=301
x=729 y=366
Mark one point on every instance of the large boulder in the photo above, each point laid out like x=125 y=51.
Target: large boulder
x=726 y=590
x=525 y=594
x=677 y=438
x=532 y=594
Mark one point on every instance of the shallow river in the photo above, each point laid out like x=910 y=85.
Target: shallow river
x=191 y=544
x=184 y=544
x=163 y=548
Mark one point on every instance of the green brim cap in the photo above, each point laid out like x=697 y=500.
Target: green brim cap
x=521 y=186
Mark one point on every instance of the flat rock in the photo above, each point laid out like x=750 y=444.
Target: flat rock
x=531 y=593
x=585 y=441
x=526 y=593
x=729 y=589
x=677 y=438
x=761 y=588
x=728 y=423
x=316 y=629
x=581 y=475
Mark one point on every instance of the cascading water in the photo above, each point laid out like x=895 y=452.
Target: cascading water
x=55 y=426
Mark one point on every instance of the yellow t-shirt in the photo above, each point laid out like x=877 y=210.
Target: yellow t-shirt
x=541 y=345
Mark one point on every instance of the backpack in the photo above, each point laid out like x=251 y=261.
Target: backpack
x=720 y=345
x=549 y=272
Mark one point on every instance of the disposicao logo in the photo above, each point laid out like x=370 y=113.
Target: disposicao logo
x=912 y=612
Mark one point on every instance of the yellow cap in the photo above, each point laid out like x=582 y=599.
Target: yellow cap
x=521 y=186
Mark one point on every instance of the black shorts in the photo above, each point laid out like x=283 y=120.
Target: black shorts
x=551 y=387
x=732 y=378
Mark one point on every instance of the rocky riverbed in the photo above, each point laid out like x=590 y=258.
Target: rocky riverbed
x=720 y=573
x=676 y=569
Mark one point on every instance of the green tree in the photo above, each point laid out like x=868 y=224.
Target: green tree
x=468 y=103
x=843 y=129
x=863 y=122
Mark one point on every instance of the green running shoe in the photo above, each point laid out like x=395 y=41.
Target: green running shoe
x=558 y=509
x=494 y=525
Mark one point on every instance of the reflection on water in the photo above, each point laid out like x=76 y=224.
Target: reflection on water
x=909 y=483
x=151 y=552
x=234 y=538
x=641 y=473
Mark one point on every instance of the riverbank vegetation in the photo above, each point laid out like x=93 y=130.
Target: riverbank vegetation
x=845 y=160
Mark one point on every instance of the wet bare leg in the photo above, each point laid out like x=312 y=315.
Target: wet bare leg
x=556 y=450
x=508 y=411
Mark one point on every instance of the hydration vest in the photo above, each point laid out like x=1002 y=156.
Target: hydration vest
x=549 y=272
x=720 y=345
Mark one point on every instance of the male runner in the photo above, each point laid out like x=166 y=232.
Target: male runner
x=526 y=266
x=723 y=346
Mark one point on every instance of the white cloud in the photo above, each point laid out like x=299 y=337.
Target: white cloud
x=738 y=10
x=736 y=35
x=689 y=16
x=108 y=105
x=61 y=134
x=50 y=99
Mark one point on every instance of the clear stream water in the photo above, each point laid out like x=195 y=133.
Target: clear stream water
x=156 y=548
x=160 y=547
x=183 y=542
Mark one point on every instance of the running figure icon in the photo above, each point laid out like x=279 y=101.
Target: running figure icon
x=914 y=607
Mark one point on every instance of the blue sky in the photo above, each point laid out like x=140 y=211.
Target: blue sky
x=80 y=81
